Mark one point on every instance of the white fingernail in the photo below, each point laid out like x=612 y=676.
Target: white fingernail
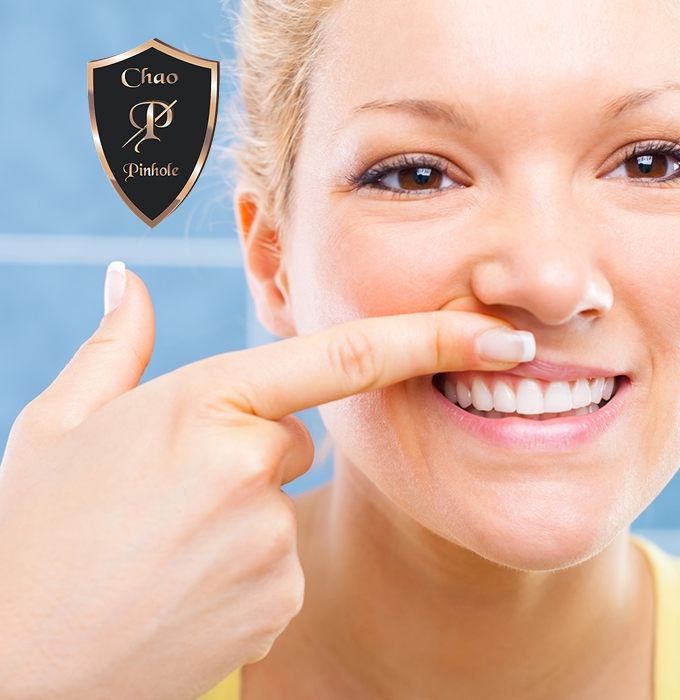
x=114 y=285
x=504 y=345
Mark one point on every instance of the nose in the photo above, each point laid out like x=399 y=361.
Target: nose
x=542 y=258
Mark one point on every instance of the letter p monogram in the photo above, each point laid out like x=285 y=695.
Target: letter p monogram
x=155 y=110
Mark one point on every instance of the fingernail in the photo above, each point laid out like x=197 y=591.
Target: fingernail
x=114 y=285
x=504 y=345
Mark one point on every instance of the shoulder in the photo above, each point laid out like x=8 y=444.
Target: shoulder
x=666 y=570
x=228 y=689
x=665 y=566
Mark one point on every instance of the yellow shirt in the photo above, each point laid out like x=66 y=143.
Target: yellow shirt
x=666 y=570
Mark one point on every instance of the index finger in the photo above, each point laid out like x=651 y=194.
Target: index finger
x=293 y=374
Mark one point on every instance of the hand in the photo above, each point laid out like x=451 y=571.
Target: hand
x=146 y=547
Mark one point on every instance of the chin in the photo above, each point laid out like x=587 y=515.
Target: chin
x=538 y=528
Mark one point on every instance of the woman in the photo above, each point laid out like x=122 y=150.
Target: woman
x=442 y=563
x=413 y=176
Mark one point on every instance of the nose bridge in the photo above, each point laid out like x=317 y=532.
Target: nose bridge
x=544 y=256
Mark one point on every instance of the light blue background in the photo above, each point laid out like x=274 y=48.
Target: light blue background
x=62 y=222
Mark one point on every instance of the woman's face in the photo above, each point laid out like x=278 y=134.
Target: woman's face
x=532 y=199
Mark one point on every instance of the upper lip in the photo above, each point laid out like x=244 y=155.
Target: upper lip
x=542 y=369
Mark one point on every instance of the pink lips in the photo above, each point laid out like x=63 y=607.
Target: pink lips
x=556 y=434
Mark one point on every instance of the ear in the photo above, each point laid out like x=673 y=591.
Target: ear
x=263 y=264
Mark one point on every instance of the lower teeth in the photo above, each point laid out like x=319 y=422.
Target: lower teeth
x=584 y=410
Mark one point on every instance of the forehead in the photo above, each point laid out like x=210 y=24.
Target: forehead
x=547 y=60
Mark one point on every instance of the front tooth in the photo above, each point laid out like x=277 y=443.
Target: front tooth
x=596 y=387
x=580 y=394
x=608 y=389
x=557 y=397
x=464 y=399
x=529 y=397
x=481 y=396
x=504 y=397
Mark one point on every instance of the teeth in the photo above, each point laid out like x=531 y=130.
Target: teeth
x=482 y=398
x=544 y=416
x=580 y=393
x=463 y=394
x=504 y=397
x=596 y=387
x=531 y=397
x=558 y=397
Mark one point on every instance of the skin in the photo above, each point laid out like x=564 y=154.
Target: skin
x=449 y=558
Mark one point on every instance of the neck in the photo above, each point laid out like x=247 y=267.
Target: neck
x=406 y=613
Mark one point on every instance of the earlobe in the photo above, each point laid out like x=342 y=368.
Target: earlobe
x=263 y=264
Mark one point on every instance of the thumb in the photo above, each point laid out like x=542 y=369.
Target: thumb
x=112 y=360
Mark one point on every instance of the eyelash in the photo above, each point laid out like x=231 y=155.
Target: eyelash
x=370 y=178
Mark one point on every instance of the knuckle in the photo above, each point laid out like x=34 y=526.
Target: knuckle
x=258 y=465
x=37 y=417
x=33 y=430
x=202 y=402
x=262 y=646
x=351 y=355
x=441 y=346
x=241 y=474
x=29 y=414
x=254 y=475
x=282 y=533
x=298 y=436
x=295 y=589
x=284 y=600
x=289 y=598
x=242 y=453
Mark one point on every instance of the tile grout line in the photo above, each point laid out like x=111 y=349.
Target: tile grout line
x=163 y=251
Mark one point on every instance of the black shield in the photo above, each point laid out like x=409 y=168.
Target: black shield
x=152 y=112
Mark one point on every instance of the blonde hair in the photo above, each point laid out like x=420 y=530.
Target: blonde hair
x=276 y=45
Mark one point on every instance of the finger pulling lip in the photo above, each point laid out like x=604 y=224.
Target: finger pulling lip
x=516 y=432
x=551 y=372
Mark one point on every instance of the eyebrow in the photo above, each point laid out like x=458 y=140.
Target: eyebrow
x=462 y=117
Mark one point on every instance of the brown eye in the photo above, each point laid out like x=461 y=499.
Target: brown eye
x=652 y=165
x=419 y=178
x=413 y=179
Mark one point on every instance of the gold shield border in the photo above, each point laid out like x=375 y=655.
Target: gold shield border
x=214 y=67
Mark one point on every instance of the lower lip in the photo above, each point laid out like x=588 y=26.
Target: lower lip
x=552 y=434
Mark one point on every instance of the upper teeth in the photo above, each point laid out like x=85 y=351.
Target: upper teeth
x=523 y=394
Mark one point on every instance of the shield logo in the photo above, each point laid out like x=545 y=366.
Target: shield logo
x=152 y=112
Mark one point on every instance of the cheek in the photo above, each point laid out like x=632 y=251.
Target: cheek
x=643 y=254
x=373 y=431
x=366 y=270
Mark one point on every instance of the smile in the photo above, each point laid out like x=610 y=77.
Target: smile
x=496 y=396
x=523 y=413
